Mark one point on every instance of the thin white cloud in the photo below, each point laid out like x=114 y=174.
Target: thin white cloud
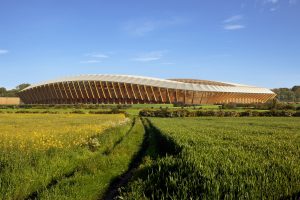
x=94 y=58
x=3 y=51
x=90 y=61
x=234 y=26
x=233 y=23
x=142 y=27
x=97 y=55
x=150 y=56
x=233 y=18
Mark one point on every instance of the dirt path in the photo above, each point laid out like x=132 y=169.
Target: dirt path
x=121 y=181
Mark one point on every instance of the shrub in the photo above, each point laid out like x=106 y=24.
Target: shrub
x=285 y=106
x=77 y=112
x=210 y=113
x=50 y=112
x=229 y=106
x=247 y=113
x=93 y=144
x=297 y=114
x=255 y=114
x=112 y=111
x=261 y=106
x=22 y=111
x=231 y=114
x=278 y=113
x=115 y=110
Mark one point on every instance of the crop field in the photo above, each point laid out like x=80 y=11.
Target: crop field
x=42 y=155
x=28 y=132
x=221 y=158
x=101 y=156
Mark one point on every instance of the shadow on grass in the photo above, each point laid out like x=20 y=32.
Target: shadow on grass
x=53 y=182
x=109 y=150
x=154 y=145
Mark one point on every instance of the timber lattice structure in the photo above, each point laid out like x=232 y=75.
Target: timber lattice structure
x=126 y=89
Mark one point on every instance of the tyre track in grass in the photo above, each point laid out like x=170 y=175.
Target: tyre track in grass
x=154 y=145
x=109 y=150
x=55 y=181
x=120 y=181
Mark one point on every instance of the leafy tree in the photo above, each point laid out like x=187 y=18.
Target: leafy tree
x=13 y=92
x=287 y=94
x=296 y=90
x=22 y=86
x=2 y=91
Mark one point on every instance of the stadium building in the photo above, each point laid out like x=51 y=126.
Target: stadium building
x=126 y=89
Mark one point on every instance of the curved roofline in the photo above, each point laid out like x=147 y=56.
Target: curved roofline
x=157 y=82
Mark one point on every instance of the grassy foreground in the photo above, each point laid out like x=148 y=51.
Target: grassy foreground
x=71 y=156
x=220 y=158
x=64 y=156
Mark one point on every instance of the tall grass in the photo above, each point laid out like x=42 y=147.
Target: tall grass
x=93 y=177
x=36 y=150
x=222 y=158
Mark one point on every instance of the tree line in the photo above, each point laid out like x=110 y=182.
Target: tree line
x=288 y=94
x=13 y=92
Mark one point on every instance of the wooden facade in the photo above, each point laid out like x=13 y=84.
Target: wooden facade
x=112 y=92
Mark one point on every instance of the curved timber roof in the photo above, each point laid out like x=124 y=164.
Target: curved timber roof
x=183 y=84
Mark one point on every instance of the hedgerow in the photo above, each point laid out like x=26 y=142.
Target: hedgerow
x=215 y=113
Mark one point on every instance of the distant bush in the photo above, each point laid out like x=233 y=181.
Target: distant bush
x=179 y=104
x=77 y=112
x=115 y=110
x=285 y=106
x=215 y=113
x=297 y=114
x=93 y=144
x=99 y=112
x=111 y=111
x=50 y=112
x=26 y=111
x=261 y=106
x=229 y=106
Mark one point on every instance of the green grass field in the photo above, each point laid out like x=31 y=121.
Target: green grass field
x=49 y=156
x=80 y=156
x=222 y=158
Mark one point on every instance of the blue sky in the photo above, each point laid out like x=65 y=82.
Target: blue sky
x=253 y=42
